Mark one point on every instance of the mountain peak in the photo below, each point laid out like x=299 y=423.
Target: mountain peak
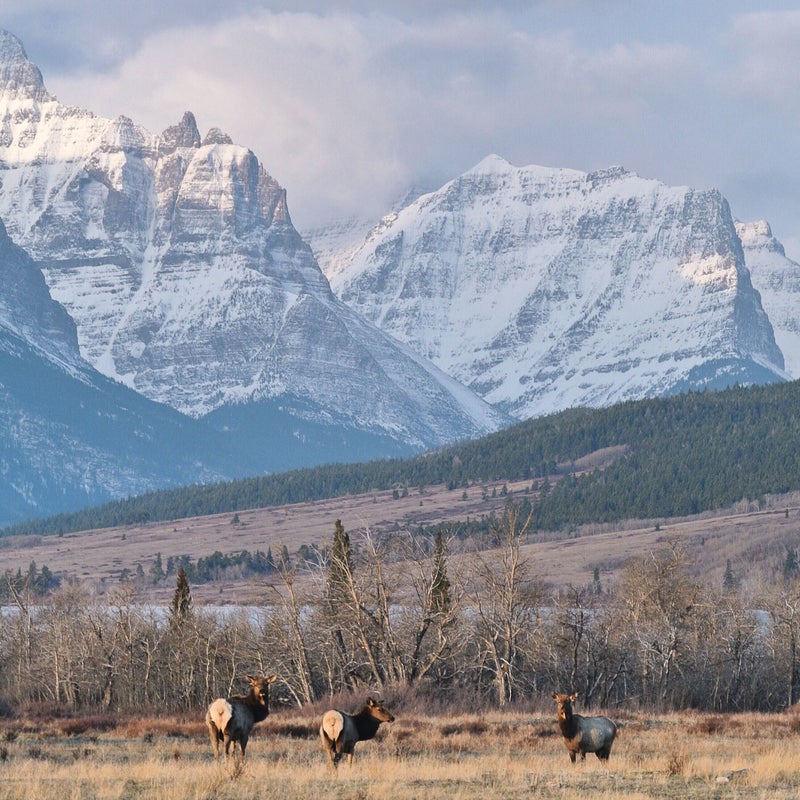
x=184 y=134
x=608 y=175
x=19 y=77
x=545 y=288
x=758 y=236
x=216 y=136
x=492 y=163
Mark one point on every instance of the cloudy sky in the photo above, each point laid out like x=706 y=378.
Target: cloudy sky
x=349 y=103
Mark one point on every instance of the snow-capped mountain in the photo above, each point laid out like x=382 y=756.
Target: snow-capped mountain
x=69 y=436
x=334 y=244
x=543 y=288
x=176 y=256
x=777 y=279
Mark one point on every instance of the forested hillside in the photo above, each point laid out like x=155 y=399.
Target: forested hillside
x=682 y=455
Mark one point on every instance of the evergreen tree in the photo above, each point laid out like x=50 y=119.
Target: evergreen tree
x=597 y=587
x=729 y=579
x=790 y=563
x=181 y=606
x=157 y=569
x=440 y=585
x=340 y=562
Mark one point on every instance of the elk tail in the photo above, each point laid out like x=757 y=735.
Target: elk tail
x=220 y=713
x=333 y=725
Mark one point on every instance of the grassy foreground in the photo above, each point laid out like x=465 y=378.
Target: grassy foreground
x=458 y=758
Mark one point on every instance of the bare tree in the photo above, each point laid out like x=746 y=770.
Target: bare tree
x=783 y=604
x=659 y=605
x=725 y=654
x=580 y=645
x=22 y=622
x=433 y=615
x=505 y=597
x=293 y=659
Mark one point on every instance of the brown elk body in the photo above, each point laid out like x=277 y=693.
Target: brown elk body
x=230 y=721
x=584 y=734
x=341 y=732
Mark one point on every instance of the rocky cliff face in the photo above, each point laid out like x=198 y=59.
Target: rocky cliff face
x=70 y=437
x=28 y=313
x=176 y=256
x=777 y=279
x=542 y=289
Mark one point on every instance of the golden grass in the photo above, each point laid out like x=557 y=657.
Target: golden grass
x=467 y=757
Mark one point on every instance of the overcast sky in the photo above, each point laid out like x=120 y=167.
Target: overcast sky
x=348 y=103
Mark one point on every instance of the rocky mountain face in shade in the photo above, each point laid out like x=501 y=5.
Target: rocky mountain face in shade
x=176 y=256
x=69 y=436
x=542 y=289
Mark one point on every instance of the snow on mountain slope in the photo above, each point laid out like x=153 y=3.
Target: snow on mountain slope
x=335 y=243
x=777 y=279
x=70 y=437
x=543 y=288
x=176 y=256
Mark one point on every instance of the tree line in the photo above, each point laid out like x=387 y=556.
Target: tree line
x=684 y=454
x=430 y=616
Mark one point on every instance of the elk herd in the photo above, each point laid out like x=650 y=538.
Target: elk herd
x=231 y=720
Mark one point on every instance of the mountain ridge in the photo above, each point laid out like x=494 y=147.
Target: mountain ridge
x=653 y=458
x=544 y=288
x=177 y=258
x=777 y=279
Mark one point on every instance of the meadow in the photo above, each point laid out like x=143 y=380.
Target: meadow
x=741 y=534
x=493 y=755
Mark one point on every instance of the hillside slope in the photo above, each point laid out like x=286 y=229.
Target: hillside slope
x=663 y=458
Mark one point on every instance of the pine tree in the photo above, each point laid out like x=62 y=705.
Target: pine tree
x=729 y=579
x=181 y=606
x=440 y=585
x=157 y=569
x=597 y=586
x=790 y=563
x=340 y=563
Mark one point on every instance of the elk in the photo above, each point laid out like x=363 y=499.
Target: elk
x=584 y=734
x=230 y=721
x=340 y=732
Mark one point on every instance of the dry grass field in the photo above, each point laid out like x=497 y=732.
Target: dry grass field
x=752 y=538
x=101 y=554
x=491 y=756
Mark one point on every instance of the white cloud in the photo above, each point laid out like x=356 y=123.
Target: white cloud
x=347 y=108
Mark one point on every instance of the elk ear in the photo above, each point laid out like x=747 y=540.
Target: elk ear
x=371 y=703
x=555 y=696
x=272 y=679
x=574 y=696
x=251 y=679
